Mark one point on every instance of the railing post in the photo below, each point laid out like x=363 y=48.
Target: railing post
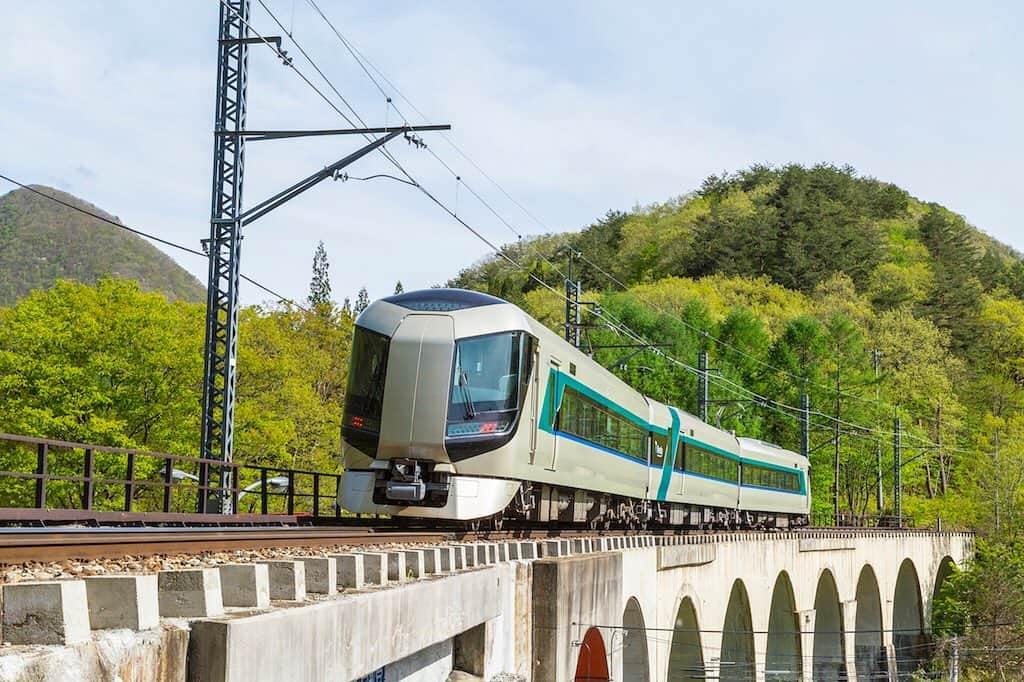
x=87 y=485
x=316 y=494
x=291 y=492
x=168 y=469
x=263 y=491
x=42 y=451
x=203 y=487
x=235 y=487
x=337 y=507
x=129 y=487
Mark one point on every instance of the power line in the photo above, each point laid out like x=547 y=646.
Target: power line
x=501 y=253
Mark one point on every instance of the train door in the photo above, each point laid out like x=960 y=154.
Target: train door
x=556 y=365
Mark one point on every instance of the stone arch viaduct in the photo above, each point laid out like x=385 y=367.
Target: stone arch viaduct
x=828 y=605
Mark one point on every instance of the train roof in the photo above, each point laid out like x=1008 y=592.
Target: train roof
x=443 y=300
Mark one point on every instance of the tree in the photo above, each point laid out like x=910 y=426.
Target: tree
x=362 y=301
x=399 y=289
x=320 y=285
x=105 y=364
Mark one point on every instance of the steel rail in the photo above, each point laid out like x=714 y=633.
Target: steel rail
x=21 y=545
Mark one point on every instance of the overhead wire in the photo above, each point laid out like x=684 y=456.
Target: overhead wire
x=501 y=252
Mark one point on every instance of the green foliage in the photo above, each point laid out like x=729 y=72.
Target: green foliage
x=42 y=241
x=983 y=606
x=112 y=365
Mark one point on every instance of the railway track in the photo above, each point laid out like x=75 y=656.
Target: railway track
x=20 y=545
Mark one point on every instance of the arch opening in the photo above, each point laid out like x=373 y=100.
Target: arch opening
x=782 y=657
x=592 y=664
x=829 y=659
x=635 y=664
x=870 y=657
x=686 y=658
x=946 y=567
x=737 y=660
x=908 y=636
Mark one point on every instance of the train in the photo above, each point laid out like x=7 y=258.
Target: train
x=461 y=407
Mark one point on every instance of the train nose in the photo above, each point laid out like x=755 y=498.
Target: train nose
x=416 y=389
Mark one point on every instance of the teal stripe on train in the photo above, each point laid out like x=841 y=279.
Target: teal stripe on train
x=670 y=461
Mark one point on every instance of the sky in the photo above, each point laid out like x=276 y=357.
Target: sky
x=572 y=108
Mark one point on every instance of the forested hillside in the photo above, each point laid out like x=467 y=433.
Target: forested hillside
x=800 y=279
x=42 y=241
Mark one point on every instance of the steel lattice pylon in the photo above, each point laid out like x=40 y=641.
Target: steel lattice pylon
x=224 y=250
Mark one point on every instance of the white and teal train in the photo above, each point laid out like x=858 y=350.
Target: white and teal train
x=461 y=406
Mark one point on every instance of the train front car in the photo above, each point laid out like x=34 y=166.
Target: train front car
x=437 y=377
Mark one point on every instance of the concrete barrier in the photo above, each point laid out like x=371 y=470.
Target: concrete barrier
x=344 y=638
x=350 y=571
x=190 y=593
x=245 y=585
x=414 y=563
x=123 y=601
x=375 y=567
x=321 y=575
x=287 y=580
x=46 y=613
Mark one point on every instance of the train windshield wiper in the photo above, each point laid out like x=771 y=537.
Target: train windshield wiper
x=467 y=395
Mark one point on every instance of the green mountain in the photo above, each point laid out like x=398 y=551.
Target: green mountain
x=42 y=241
x=797 y=280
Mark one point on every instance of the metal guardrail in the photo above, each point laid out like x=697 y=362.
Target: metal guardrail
x=43 y=478
x=829 y=519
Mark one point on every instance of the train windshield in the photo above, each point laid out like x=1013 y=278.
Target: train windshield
x=364 y=398
x=487 y=383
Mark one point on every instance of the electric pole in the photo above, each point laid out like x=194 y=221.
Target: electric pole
x=224 y=248
x=835 y=459
x=572 y=305
x=702 y=380
x=897 y=472
x=879 y=492
x=216 y=492
x=805 y=423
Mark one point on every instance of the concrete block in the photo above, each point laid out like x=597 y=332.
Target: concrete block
x=448 y=557
x=190 y=593
x=321 y=574
x=375 y=567
x=468 y=555
x=245 y=585
x=350 y=571
x=431 y=560
x=123 y=601
x=396 y=566
x=46 y=613
x=414 y=563
x=287 y=580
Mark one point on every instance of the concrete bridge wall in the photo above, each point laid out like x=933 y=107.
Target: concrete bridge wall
x=774 y=606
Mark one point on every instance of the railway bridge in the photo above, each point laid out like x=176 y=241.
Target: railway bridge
x=809 y=605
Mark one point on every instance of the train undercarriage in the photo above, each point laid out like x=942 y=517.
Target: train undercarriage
x=562 y=506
